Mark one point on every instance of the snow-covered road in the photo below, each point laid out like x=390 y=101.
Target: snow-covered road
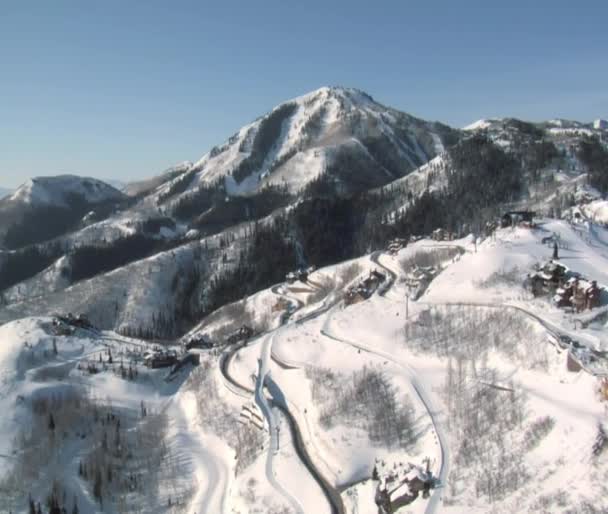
x=421 y=390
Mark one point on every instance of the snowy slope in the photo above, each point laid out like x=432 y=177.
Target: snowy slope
x=315 y=363
x=304 y=136
x=56 y=190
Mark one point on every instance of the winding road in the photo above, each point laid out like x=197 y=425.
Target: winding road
x=331 y=493
x=424 y=399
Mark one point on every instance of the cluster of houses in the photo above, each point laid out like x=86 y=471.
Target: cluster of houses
x=401 y=486
x=508 y=219
x=364 y=289
x=65 y=325
x=578 y=293
x=569 y=289
x=204 y=341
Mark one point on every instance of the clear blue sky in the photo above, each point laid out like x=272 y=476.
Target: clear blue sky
x=125 y=89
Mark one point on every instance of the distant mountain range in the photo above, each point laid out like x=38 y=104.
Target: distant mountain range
x=319 y=179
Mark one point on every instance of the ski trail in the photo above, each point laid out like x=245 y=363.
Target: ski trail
x=209 y=468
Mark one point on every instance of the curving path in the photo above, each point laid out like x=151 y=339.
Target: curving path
x=424 y=399
x=265 y=407
x=210 y=470
x=331 y=494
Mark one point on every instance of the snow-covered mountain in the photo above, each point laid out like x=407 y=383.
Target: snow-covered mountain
x=45 y=207
x=379 y=377
x=337 y=131
x=56 y=191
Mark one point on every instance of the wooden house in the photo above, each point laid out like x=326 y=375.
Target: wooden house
x=578 y=293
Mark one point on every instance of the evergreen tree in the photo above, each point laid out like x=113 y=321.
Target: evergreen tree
x=97 y=486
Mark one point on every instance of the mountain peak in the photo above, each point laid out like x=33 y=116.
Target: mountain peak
x=54 y=190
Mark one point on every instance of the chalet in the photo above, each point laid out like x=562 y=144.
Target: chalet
x=200 y=341
x=549 y=277
x=512 y=218
x=579 y=294
x=395 y=491
x=364 y=289
x=241 y=334
x=160 y=358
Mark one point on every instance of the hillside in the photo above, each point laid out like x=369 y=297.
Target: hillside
x=158 y=347
x=322 y=178
x=46 y=207
x=470 y=377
